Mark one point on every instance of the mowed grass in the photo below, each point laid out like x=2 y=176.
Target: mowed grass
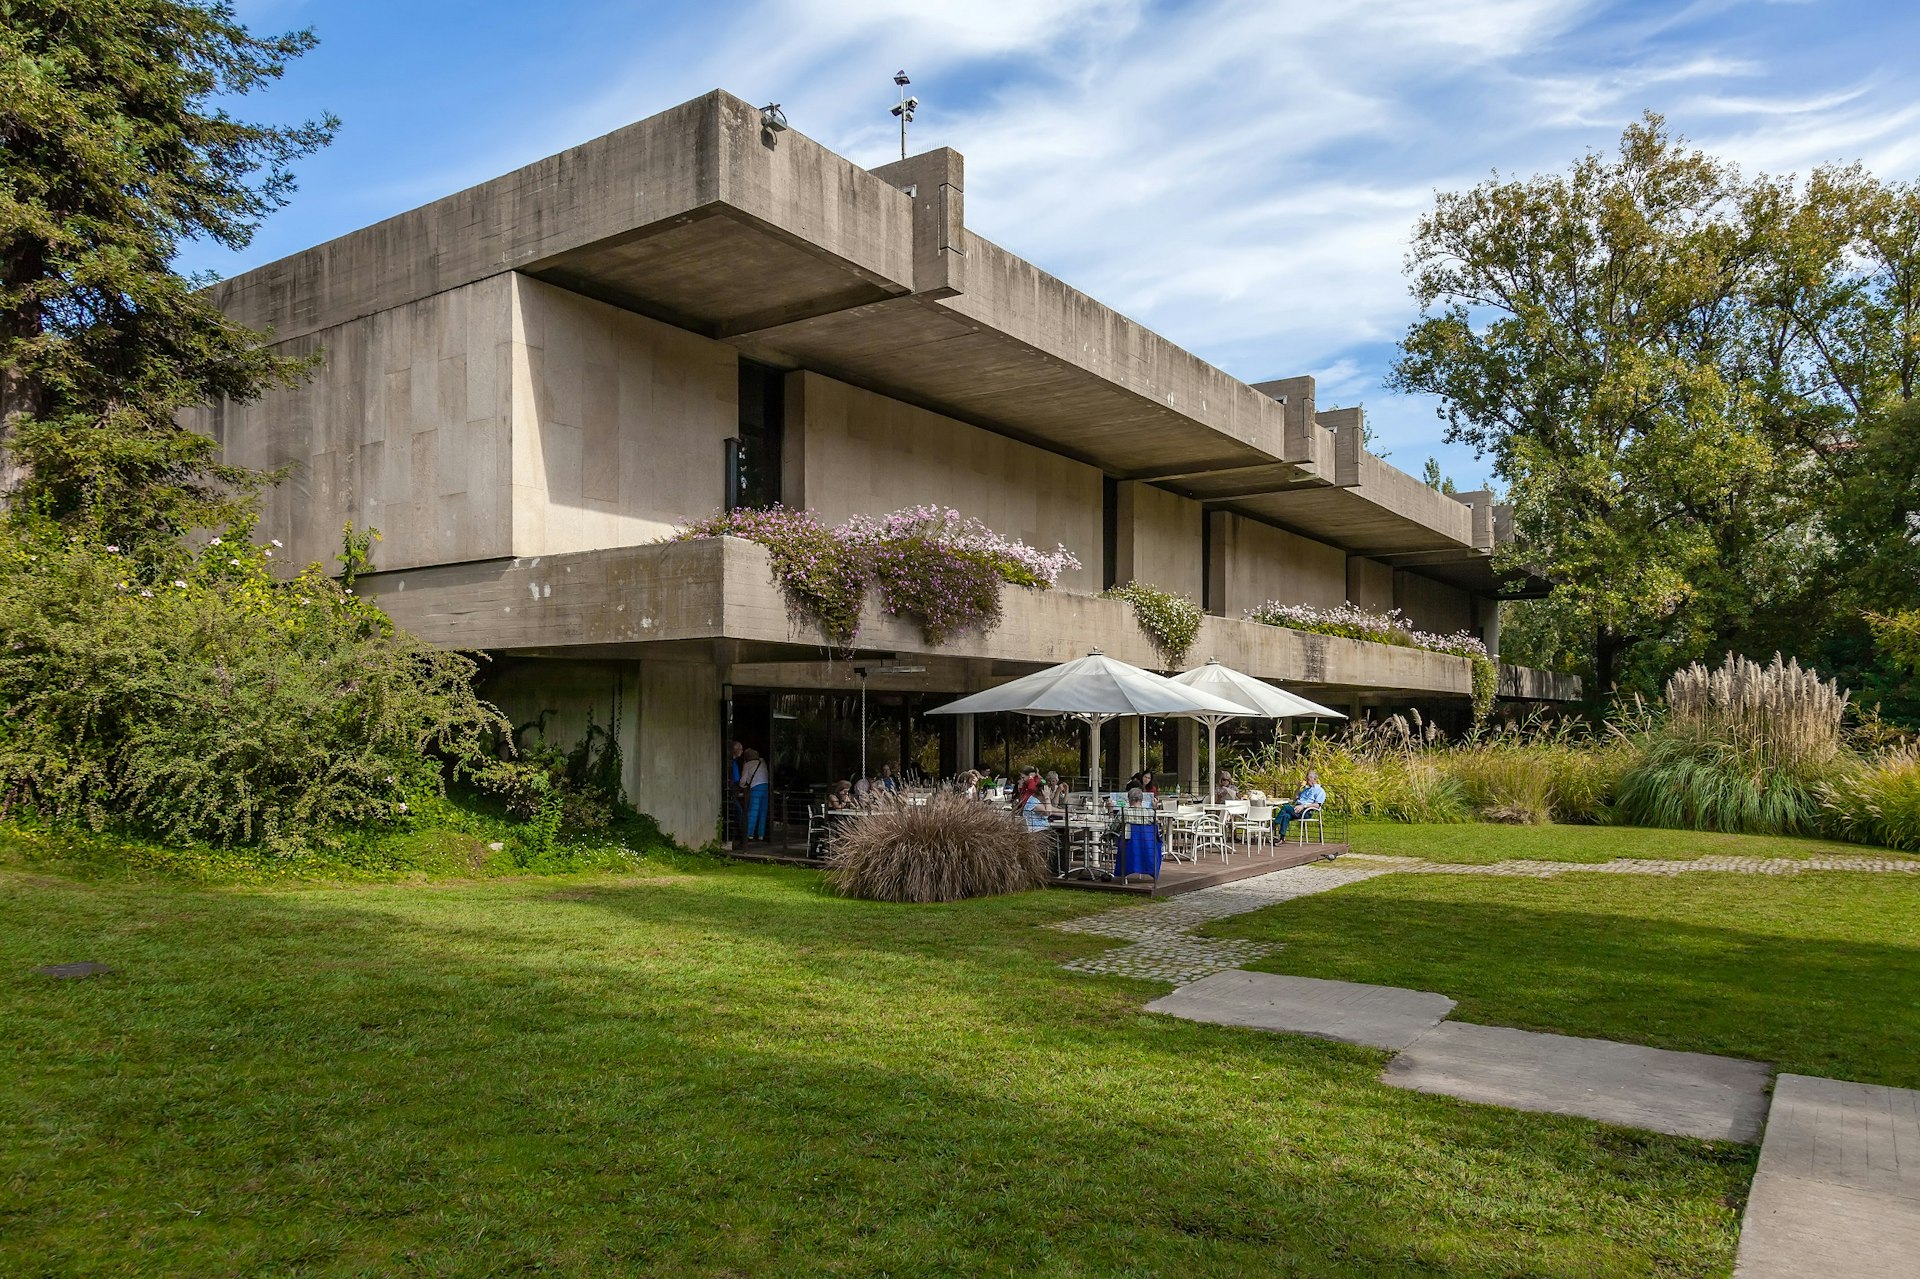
x=1817 y=972
x=723 y=1071
x=1479 y=843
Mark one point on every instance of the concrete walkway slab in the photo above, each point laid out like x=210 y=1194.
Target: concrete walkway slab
x=1686 y=1094
x=1838 y=1188
x=1375 y=1016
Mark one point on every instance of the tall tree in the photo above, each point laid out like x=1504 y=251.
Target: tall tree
x=114 y=150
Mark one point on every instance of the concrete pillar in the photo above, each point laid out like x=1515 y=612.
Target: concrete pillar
x=677 y=767
x=964 y=743
x=1487 y=615
x=1191 y=744
x=1129 y=747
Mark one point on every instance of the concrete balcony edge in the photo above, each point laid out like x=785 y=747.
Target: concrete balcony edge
x=717 y=600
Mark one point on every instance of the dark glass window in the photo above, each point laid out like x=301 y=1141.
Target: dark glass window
x=753 y=456
x=1109 y=531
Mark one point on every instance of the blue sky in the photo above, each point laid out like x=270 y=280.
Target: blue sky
x=1241 y=175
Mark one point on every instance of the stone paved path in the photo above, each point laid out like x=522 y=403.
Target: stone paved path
x=1165 y=948
x=1838 y=1188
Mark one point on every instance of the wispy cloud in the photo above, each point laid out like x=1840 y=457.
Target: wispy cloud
x=1242 y=175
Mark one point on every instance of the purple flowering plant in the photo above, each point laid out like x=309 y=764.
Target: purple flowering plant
x=930 y=563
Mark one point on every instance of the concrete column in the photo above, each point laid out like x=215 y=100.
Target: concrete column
x=1487 y=615
x=676 y=769
x=1129 y=747
x=964 y=745
x=1191 y=744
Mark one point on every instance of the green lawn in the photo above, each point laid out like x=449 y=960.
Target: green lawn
x=1478 y=842
x=1818 y=972
x=718 y=1070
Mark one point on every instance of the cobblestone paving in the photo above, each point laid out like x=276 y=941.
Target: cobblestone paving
x=1165 y=948
x=1646 y=866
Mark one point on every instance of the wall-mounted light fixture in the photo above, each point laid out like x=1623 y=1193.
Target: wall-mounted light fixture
x=773 y=119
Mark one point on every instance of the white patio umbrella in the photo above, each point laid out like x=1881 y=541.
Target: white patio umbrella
x=1095 y=688
x=1255 y=698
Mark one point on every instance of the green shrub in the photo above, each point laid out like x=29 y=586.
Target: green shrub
x=1878 y=803
x=944 y=850
x=1377 y=772
x=202 y=700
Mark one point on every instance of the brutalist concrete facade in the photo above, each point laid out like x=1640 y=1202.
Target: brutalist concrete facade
x=529 y=383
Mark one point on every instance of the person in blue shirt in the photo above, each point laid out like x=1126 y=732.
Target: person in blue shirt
x=1035 y=811
x=1311 y=799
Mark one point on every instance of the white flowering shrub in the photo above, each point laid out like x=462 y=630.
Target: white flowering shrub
x=201 y=698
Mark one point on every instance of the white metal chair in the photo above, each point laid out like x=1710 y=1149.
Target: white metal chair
x=1255 y=830
x=1315 y=817
x=1209 y=837
x=816 y=829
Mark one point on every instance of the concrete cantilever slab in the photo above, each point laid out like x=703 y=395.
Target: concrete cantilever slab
x=1685 y=1094
x=1372 y=1016
x=1838 y=1188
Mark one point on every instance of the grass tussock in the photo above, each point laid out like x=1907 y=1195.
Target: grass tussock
x=1745 y=749
x=948 y=849
x=1878 y=803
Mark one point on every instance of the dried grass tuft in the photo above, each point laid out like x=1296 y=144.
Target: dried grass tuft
x=948 y=849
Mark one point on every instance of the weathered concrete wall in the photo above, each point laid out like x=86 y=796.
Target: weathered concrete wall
x=1254 y=563
x=1432 y=606
x=405 y=427
x=1159 y=539
x=1370 y=583
x=664 y=715
x=619 y=423
x=1528 y=683
x=678 y=769
x=866 y=454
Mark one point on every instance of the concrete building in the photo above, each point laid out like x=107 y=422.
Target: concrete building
x=529 y=383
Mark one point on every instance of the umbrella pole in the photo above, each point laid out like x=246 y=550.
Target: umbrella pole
x=1213 y=755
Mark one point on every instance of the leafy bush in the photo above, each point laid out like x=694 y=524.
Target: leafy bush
x=1171 y=621
x=945 y=850
x=1744 y=749
x=200 y=699
x=1370 y=771
x=1878 y=803
x=929 y=563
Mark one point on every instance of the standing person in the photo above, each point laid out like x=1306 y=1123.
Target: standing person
x=736 y=797
x=754 y=780
x=1311 y=799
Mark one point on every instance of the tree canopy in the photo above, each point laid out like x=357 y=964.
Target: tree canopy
x=1697 y=387
x=115 y=149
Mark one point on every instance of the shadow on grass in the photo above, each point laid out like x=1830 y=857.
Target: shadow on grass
x=734 y=1075
x=1817 y=973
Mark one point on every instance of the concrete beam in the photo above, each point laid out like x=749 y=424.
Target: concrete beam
x=681 y=599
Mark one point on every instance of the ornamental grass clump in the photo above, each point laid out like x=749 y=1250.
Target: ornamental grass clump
x=1878 y=803
x=1743 y=749
x=947 y=849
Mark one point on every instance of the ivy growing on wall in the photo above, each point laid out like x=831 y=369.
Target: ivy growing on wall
x=1171 y=621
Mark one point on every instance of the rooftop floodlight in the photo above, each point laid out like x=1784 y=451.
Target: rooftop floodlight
x=772 y=118
x=904 y=111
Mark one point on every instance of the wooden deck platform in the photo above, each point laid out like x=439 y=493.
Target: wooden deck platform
x=1175 y=877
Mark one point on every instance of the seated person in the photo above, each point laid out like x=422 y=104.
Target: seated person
x=1030 y=784
x=1146 y=782
x=840 y=798
x=862 y=790
x=1033 y=810
x=1137 y=798
x=1054 y=793
x=887 y=781
x=1311 y=799
x=1224 y=790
